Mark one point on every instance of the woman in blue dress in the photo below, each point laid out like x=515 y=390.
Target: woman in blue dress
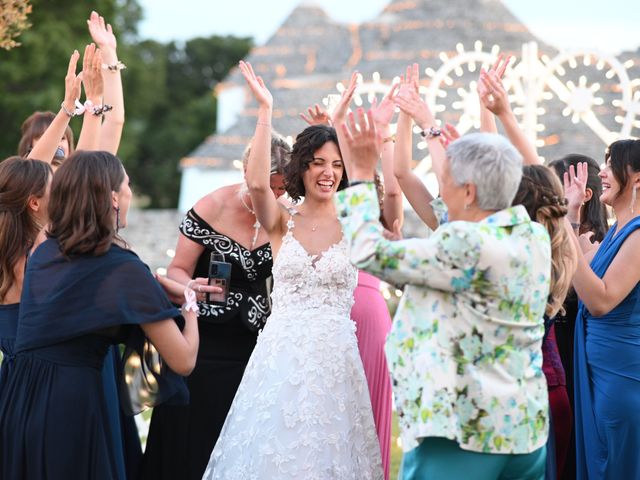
x=607 y=341
x=24 y=192
x=82 y=292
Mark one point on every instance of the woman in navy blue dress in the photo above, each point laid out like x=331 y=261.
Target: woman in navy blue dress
x=82 y=292
x=24 y=192
x=607 y=341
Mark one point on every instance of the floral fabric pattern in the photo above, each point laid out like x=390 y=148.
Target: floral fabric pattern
x=465 y=346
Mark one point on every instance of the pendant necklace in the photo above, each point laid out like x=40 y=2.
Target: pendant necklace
x=256 y=225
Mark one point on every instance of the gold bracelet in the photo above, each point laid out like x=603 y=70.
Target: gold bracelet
x=392 y=138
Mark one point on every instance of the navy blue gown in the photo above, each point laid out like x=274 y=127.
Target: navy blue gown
x=607 y=378
x=8 y=327
x=54 y=420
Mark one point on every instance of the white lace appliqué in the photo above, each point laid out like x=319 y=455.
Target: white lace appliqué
x=302 y=410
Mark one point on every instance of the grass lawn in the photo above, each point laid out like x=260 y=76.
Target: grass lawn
x=396 y=451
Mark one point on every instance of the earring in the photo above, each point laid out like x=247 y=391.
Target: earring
x=633 y=199
x=117 y=209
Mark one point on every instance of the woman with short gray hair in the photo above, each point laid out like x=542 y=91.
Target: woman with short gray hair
x=465 y=346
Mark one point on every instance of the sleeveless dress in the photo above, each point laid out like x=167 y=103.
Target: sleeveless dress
x=302 y=410
x=373 y=322
x=181 y=437
x=607 y=378
x=54 y=420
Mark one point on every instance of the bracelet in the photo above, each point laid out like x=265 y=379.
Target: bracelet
x=431 y=132
x=114 y=67
x=64 y=109
x=88 y=106
x=575 y=226
x=264 y=124
x=190 y=304
x=353 y=183
x=391 y=138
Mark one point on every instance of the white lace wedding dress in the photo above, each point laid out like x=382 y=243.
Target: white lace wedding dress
x=302 y=410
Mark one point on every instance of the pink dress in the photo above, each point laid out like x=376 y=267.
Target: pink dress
x=373 y=323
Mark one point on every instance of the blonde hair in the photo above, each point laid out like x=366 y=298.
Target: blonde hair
x=542 y=195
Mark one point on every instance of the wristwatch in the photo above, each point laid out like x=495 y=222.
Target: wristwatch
x=431 y=132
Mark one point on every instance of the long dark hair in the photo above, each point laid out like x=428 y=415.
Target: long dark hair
x=624 y=157
x=594 y=212
x=541 y=193
x=307 y=143
x=20 y=180
x=81 y=211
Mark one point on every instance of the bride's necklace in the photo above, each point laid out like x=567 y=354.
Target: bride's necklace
x=256 y=225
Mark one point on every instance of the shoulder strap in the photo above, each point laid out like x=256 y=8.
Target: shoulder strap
x=290 y=223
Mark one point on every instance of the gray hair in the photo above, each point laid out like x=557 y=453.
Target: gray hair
x=491 y=163
x=280 y=151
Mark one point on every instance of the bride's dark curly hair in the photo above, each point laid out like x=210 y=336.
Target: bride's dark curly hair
x=307 y=143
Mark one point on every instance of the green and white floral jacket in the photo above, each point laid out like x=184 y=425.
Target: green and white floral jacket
x=465 y=346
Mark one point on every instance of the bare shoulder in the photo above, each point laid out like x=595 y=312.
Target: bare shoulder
x=211 y=206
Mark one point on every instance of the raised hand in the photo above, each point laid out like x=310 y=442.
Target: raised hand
x=449 y=134
x=410 y=82
x=92 y=74
x=575 y=186
x=72 y=83
x=492 y=93
x=362 y=145
x=499 y=67
x=317 y=116
x=101 y=33
x=260 y=92
x=383 y=112
x=340 y=112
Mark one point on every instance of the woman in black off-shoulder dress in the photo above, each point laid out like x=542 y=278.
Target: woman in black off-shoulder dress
x=181 y=438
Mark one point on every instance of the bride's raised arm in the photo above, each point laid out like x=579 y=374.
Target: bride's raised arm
x=268 y=210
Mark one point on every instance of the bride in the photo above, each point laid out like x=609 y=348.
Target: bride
x=302 y=409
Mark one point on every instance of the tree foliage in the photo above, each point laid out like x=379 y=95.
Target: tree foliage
x=13 y=20
x=168 y=87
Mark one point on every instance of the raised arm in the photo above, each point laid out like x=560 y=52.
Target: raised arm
x=412 y=186
x=93 y=90
x=339 y=117
x=267 y=208
x=439 y=261
x=102 y=35
x=487 y=119
x=495 y=98
x=382 y=114
x=45 y=147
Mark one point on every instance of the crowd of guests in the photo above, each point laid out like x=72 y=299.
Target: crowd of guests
x=514 y=353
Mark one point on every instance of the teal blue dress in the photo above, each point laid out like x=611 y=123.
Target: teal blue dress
x=54 y=413
x=607 y=378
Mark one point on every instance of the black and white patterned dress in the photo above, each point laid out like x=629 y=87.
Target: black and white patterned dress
x=182 y=438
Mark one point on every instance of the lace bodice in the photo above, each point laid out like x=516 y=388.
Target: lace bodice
x=325 y=281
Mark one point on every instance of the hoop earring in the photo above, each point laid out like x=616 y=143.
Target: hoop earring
x=117 y=209
x=633 y=199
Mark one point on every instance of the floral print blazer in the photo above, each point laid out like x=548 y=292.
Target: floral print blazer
x=465 y=346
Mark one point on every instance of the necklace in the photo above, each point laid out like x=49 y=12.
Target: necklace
x=256 y=225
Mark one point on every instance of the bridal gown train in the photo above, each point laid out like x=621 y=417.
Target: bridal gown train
x=302 y=410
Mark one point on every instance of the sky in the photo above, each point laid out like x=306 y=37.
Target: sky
x=609 y=25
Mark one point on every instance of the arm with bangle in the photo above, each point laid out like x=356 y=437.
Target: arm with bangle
x=94 y=89
x=412 y=186
x=102 y=35
x=45 y=147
